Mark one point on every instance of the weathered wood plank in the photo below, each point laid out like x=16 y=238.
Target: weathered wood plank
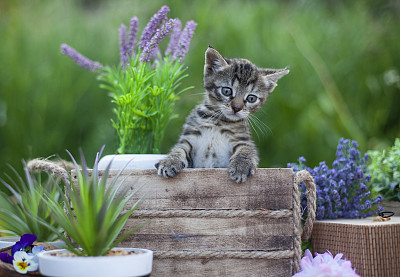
x=212 y=233
x=198 y=242
x=225 y=267
x=212 y=189
x=220 y=226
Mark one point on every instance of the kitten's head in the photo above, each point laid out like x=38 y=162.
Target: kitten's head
x=236 y=87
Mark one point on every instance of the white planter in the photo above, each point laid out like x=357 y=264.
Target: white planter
x=131 y=161
x=103 y=266
x=8 y=241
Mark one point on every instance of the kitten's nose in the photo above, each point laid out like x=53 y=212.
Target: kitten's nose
x=236 y=108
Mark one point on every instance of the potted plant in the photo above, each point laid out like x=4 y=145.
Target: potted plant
x=20 y=210
x=384 y=168
x=144 y=86
x=92 y=224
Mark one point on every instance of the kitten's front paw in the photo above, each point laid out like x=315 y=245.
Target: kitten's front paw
x=241 y=168
x=170 y=166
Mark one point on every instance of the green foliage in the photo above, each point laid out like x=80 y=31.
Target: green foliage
x=20 y=214
x=98 y=215
x=344 y=63
x=384 y=169
x=145 y=96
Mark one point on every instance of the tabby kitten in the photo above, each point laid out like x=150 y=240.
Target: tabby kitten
x=217 y=133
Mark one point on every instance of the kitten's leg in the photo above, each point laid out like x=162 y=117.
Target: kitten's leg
x=178 y=159
x=243 y=162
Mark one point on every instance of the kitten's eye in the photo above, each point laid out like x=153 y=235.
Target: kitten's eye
x=251 y=98
x=226 y=91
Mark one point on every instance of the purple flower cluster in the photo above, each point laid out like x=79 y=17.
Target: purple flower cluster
x=342 y=190
x=156 y=30
x=174 y=37
x=152 y=45
x=80 y=59
x=184 y=41
x=152 y=26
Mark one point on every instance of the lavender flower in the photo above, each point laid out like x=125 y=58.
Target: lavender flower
x=341 y=191
x=152 y=45
x=123 y=47
x=184 y=40
x=174 y=37
x=151 y=27
x=81 y=60
x=133 y=28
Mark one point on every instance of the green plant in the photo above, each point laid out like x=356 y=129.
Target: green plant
x=92 y=226
x=384 y=169
x=145 y=95
x=20 y=212
x=145 y=84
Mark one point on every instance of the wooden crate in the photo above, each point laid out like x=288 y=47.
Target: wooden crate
x=372 y=247
x=201 y=223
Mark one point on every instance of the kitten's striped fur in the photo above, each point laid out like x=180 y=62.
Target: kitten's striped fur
x=217 y=133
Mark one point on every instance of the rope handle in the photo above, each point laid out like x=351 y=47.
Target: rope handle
x=311 y=192
x=58 y=169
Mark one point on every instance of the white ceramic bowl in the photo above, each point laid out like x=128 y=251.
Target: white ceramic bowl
x=102 y=266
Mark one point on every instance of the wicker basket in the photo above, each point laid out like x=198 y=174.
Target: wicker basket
x=372 y=247
x=204 y=224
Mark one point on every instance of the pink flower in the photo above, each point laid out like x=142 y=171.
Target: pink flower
x=325 y=265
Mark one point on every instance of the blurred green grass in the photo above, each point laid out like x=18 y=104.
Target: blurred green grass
x=343 y=56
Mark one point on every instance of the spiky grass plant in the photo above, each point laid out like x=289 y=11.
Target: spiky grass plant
x=95 y=216
x=21 y=212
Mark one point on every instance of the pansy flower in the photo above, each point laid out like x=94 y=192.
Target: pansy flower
x=6 y=258
x=26 y=241
x=23 y=262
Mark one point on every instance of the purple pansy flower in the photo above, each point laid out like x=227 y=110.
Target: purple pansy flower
x=6 y=258
x=25 y=241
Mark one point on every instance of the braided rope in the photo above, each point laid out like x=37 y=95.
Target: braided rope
x=306 y=178
x=302 y=235
x=213 y=213
x=39 y=165
x=209 y=254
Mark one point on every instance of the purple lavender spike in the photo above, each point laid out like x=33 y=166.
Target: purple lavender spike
x=174 y=37
x=133 y=28
x=123 y=46
x=184 y=40
x=151 y=27
x=81 y=60
x=148 y=51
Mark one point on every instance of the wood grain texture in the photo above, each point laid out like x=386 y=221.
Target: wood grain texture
x=212 y=189
x=195 y=190
x=226 y=267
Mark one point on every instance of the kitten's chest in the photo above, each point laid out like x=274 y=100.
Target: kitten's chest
x=212 y=149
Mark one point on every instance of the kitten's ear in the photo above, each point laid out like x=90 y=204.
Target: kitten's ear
x=274 y=74
x=214 y=61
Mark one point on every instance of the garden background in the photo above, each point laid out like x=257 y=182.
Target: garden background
x=343 y=55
